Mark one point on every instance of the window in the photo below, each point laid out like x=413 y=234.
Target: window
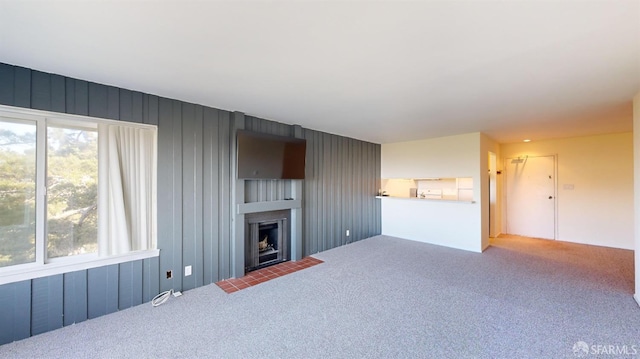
x=75 y=192
x=17 y=193
x=72 y=191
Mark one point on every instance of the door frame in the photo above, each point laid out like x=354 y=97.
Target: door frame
x=493 y=194
x=505 y=213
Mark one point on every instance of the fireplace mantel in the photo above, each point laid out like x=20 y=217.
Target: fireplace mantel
x=254 y=207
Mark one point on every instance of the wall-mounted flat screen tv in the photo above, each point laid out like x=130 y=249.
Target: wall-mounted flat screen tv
x=264 y=156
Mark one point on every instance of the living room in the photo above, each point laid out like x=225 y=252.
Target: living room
x=201 y=202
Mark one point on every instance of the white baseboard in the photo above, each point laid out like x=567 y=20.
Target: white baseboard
x=637 y=298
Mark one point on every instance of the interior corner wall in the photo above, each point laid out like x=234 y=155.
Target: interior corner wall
x=487 y=145
x=194 y=200
x=341 y=181
x=594 y=186
x=447 y=223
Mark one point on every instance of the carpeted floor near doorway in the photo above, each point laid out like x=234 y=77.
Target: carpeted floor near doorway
x=265 y=274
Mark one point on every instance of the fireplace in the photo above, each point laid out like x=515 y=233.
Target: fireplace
x=266 y=239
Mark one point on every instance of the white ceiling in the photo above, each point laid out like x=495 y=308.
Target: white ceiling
x=382 y=71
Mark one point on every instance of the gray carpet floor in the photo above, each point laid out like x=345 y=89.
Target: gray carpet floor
x=385 y=297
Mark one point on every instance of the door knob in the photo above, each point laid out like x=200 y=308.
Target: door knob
x=550 y=197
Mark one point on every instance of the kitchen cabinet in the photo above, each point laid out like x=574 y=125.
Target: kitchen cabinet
x=436 y=188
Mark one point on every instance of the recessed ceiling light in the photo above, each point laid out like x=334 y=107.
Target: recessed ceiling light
x=527 y=140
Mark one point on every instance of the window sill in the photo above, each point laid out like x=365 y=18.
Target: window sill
x=32 y=271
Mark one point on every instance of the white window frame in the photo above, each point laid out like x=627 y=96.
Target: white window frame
x=43 y=267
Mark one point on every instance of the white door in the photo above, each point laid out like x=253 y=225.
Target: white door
x=530 y=196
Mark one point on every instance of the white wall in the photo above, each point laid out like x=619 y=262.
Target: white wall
x=452 y=224
x=451 y=156
x=636 y=196
x=446 y=223
x=599 y=210
x=487 y=145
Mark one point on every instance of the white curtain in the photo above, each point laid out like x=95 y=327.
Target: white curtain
x=126 y=189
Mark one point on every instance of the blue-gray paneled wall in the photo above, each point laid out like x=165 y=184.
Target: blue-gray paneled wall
x=194 y=200
x=342 y=179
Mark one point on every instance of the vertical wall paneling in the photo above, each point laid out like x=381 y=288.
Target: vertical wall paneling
x=189 y=191
x=113 y=103
x=150 y=278
x=22 y=87
x=58 y=94
x=192 y=194
x=75 y=297
x=236 y=251
x=359 y=209
x=333 y=210
x=137 y=103
x=129 y=288
x=309 y=211
x=126 y=106
x=210 y=195
x=198 y=244
x=326 y=191
x=102 y=290
x=178 y=212
x=46 y=304
x=98 y=100
x=40 y=91
x=197 y=196
x=345 y=188
x=340 y=187
x=350 y=196
x=150 y=108
x=170 y=192
x=297 y=192
x=15 y=311
x=335 y=192
x=147 y=107
x=77 y=97
x=166 y=189
x=318 y=180
x=314 y=195
x=226 y=178
x=7 y=88
x=70 y=86
x=215 y=195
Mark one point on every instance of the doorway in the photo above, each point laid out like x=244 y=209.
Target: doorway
x=493 y=195
x=531 y=196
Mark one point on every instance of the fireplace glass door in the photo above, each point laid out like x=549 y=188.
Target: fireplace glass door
x=266 y=243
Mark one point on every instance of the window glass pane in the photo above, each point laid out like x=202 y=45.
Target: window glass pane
x=72 y=197
x=17 y=193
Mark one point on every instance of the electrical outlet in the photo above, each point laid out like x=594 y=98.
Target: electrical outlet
x=347 y=233
x=169 y=274
x=187 y=271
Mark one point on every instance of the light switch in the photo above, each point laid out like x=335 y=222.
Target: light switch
x=568 y=187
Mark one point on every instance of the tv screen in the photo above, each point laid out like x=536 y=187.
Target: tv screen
x=264 y=156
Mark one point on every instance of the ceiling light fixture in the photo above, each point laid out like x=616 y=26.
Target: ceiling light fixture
x=527 y=140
